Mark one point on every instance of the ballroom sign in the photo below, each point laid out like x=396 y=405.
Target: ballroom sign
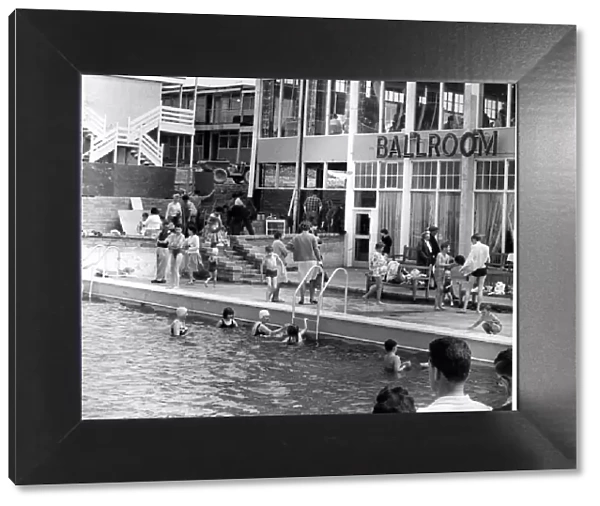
x=431 y=145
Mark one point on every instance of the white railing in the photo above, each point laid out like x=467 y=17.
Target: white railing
x=104 y=256
x=319 y=301
x=104 y=145
x=146 y=122
x=94 y=122
x=150 y=149
x=175 y=115
x=345 y=291
x=98 y=247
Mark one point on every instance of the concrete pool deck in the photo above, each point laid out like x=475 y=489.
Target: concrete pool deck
x=412 y=325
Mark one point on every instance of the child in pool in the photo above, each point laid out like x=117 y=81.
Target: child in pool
x=391 y=361
x=268 y=269
x=178 y=327
x=212 y=267
x=227 y=322
x=294 y=334
x=491 y=323
x=260 y=329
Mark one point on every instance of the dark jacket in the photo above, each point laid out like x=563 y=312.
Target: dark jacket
x=425 y=257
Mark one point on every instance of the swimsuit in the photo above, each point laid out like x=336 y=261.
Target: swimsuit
x=225 y=325
x=256 y=329
x=270 y=273
x=479 y=273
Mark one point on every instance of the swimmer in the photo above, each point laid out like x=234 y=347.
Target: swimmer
x=227 y=321
x=260 y=329
x=294 y=334
x=178 y=327
x=391 y=361
x=491 y=323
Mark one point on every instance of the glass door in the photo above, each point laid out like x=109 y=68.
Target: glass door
x=364 y=237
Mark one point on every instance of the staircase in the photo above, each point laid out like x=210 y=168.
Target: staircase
x=135 y=135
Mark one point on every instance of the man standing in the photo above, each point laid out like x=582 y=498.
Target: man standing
x=174 y=212
x=189 y=212
x=312 y=208
x=476 y=266
x=449 y=367
x=306 y=255
x=435 y=246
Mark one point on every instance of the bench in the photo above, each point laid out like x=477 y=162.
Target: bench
x=426 y=271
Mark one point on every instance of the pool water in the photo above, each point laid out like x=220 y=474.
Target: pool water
x=132 y=368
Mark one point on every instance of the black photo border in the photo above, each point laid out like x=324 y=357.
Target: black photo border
x=50 y=50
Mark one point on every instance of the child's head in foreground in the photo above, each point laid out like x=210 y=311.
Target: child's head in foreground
x=390 y=345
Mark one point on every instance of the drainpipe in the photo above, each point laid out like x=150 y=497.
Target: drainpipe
x=178 y=135
x=299 y=147
x=190 y=177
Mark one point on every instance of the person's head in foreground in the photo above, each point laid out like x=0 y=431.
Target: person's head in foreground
x=181 y=313
x=390 y=346
x=228 y=313
x=503 y=366
x=277 y=235
x=449 y=365
x=305 y=226
x=263 y=316
x=394 y=400
x=475 y=238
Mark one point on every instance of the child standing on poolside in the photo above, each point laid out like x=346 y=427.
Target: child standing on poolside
x=378 y=268
x=442 y=262
x=391 y=361
x=176 y=244
x=162 y=253
x=268 y=269
x=491 y=323
x=178 y=327
x=460 y=283
x=194 y=260
x=212 y=267
x=227 y=322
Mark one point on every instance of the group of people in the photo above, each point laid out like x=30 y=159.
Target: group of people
x=449 y=367
x=328 y=217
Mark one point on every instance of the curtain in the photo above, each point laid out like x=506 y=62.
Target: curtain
x=449 y=220
x=422 y=209
x=488 y=219
x=390 y=213
x=509 y=246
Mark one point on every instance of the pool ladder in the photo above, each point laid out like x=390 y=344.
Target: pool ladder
x=320 y=298
x=103 y=256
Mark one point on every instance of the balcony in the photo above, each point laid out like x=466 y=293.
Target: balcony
x=217 y=116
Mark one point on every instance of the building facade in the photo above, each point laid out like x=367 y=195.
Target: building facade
x=397 y=155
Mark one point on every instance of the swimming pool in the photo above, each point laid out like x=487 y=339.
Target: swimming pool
x=132 y=368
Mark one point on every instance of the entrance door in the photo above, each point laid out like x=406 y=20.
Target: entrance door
x=364 y=237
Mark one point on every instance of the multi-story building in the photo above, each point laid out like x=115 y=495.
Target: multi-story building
x=397 y=155
x=224 y=119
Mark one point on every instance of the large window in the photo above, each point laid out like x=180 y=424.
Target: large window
x=494 y=216
x=368 y=106
x=339 y=107
x=270 y=117
x=246 y=140
x=453 y=106
x=435 y=200
x=290 y=106
x=324 y=176
x=267 y=175
x=336 y=174
x=316 y=121
x=395 y=106
x=365 y=175
x=499 y=106
x=276 y=175
x=228 y=140
x=427 y=108
x=391 y=175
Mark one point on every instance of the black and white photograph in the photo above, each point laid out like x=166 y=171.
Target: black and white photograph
x=257 y=247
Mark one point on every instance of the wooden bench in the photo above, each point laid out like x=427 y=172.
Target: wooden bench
x=426 y=270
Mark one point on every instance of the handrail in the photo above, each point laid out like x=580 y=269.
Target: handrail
x=98 y=246
x=300 y=285
x=103 y=257
x=345 y=291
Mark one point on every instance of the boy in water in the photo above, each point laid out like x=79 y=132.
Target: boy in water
x=391 y=361
x=491 y=323
x=268 y=269
x=294 y=334
x=212 y=267
x=178 y=327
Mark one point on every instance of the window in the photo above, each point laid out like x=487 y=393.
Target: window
x=316 y=121
x=290 y=107
x=454 y=106
x=339 y=107
x=270 y=116
x=366 y=175
x=228 y=140
x=313 y=175
x=427 y=110
x=395 y=106
x=336 y=176
x=365 y=199
x=246 y=140
x=287 y=175
x=368 y=106
x=267 y=175
x=248 y=103
x=495 y=103
x=495 y=204
x=391 y=175
x=435 y=200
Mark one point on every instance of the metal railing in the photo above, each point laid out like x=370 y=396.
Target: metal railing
x=345 y=291
x=95 y=248
x=104 y=257
x=319 y=301
x=93 y=122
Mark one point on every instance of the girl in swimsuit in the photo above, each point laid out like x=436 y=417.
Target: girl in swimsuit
x=176 y=244
x=227 y=322
x=294 y=334
x=178 y=327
